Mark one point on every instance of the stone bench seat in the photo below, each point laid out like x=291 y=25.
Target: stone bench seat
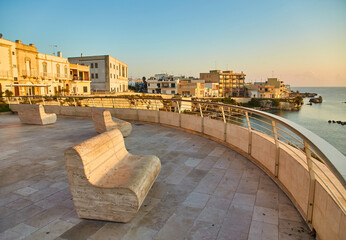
x=34 y=114
x=104 y=122
x=106 y=181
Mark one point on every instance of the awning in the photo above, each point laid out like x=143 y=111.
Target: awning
x=27 y=85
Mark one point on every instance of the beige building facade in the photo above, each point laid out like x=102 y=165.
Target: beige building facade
x=107 y=74
x=26 y=72
x=230 y=84
x=189 y=88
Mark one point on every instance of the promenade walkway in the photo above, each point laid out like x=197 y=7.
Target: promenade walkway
x=204 y=190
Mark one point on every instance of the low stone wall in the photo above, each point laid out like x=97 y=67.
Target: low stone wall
x=328 y=220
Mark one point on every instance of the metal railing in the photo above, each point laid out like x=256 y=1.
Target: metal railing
x=306 y=146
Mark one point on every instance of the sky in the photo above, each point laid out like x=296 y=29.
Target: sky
x=302 y=42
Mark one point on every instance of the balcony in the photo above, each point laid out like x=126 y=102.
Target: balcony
x=5 y=74
x=235 y=186
x=28 y=74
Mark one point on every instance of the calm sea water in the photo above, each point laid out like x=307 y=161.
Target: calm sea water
x=315 y=117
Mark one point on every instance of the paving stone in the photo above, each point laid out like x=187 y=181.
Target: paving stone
x=267 y=199
x=244 y=199
x=196 y=200
x=193 y=162
x=288 y=212
x=289 y=230
x=203 y=231
x=210 y=181
x=267 y=215
x=51 y=231
x=19 y=204
x=263 y=231
x=83 y=230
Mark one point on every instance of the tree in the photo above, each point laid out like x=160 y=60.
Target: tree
x=8 y=93
x=145 y=84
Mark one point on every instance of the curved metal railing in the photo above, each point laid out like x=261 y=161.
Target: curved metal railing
x=309 y=148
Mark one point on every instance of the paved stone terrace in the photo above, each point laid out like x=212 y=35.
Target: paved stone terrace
x=204 y=190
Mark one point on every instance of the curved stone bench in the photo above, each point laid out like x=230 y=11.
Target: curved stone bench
x=106 y=181
x=104 y=122
x=34 y=114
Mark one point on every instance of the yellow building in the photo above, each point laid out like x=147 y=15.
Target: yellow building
x=26 y=72
x=8 y=65
x=266 y=91
x=230 y=84
x=80 y=79
x=188 y=88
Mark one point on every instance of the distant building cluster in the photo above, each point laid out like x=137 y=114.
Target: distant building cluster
x=217 y=83
x=272 y=88
x=26 y=72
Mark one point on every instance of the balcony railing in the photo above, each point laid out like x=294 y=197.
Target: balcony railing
x=26 y=73
x=323 y=163
x=5 y=74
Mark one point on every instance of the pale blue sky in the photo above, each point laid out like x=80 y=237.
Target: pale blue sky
x=303 y=42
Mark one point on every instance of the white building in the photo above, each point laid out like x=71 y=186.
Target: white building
x=211 y=89
x=163 y=84
x=107 y=73
x=54 y=72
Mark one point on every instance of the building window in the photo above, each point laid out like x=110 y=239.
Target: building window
x=13 y=53
x=96 y=65
x=65 y=71
x=58 y=70
x=92 y=75
x=91 y=65
x=173 y=92
x=173 y=85
x=85 y=89
x=96 y=75
x=44 y=68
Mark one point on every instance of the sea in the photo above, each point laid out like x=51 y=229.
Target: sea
x=315 y=117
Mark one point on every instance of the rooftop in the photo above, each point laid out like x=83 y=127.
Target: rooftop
x=204 y=190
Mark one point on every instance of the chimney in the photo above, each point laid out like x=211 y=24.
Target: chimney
x=32 y=45
x=81 y=55
x=18 y=41
x=59 y=54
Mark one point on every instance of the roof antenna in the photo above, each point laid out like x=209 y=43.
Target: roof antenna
x=53 y=47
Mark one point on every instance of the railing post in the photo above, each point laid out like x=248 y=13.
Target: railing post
x=136 y=110
x=250 y=132
x=225 y=124
x=29 y=100
x=178 y=107
x=202 y=118
x=93 y=102
x=43 y=101
x=312 y=184
x=200 y=110
x=275 y=135
x=74 y=100
x=113 y=102
x=17 y=100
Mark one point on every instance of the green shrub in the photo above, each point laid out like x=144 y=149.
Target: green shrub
x=5 y=108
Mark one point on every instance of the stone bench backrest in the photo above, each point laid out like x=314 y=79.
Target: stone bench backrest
x=34 y=111
x=103 y=118
x=96 y=156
